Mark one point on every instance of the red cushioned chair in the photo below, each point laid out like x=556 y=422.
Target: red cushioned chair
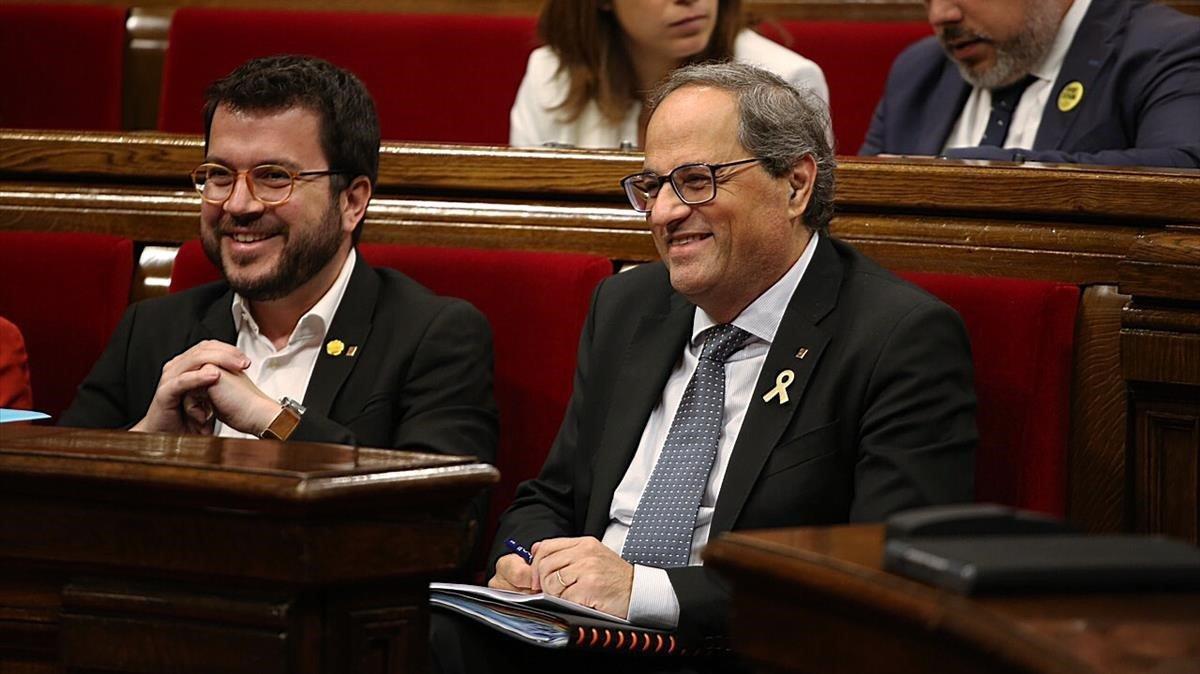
x=856 y=57
x=1022 y=333
x=434 y=78
x=62 y=66
x=536 y=304
x=66 y=293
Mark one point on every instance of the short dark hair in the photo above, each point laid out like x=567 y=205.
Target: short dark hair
x=777 y=123
x=349 y=124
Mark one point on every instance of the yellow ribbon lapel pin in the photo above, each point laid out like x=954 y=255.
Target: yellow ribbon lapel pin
x=782 y=382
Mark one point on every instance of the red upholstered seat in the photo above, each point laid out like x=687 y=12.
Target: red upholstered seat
x=536 y=304
x=856 y=57
x=62 y=66
x=66 y=292
x=1022 y=333
x=434 y=78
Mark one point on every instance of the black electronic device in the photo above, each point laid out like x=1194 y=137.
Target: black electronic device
x=971 y=519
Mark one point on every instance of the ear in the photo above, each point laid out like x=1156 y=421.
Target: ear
x=800 y=182
x=353 y=202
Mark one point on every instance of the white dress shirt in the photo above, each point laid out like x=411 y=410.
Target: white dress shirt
x=286 y=371
x=1027 y=118
x=653 y=601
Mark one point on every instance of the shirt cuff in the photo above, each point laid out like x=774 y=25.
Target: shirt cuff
x=652 y=602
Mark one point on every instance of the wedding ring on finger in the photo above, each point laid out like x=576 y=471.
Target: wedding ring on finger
x=559 y=578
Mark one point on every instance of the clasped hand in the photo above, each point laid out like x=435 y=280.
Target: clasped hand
x=205 y=383
x=581 y=570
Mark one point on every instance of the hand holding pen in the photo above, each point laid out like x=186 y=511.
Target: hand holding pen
x=520 y=550
x=513 y=572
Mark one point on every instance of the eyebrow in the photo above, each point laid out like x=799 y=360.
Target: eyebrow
x=286 y=163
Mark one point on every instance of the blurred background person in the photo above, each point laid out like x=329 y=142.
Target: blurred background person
x=14 y=369
x=585 y=86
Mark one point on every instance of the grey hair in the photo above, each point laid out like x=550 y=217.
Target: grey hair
x=778 y=123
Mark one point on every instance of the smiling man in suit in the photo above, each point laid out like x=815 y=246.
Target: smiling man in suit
x=763 y=374
x=302 y=340
x=1089 y=81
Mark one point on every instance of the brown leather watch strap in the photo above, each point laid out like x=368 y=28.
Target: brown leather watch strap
x=284 y=424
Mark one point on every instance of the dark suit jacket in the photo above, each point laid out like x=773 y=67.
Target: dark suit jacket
x=1138 y=62
x=880 y=417
x=421 y=378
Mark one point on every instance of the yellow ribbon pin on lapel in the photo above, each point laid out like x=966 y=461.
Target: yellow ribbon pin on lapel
x=782 y=382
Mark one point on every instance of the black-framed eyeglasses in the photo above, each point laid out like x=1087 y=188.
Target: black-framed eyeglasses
x=694 y=184
x=270 y=184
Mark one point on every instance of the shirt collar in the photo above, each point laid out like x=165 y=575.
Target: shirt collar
x=315 y=322
x=763 y=316
x=1052 y=62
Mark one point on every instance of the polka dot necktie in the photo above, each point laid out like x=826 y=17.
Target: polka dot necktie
x=1004 y=104
x=661 y=533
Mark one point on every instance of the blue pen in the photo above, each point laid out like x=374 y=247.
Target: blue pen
x=520 y=550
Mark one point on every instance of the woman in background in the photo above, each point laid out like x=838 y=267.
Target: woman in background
x=585 y=86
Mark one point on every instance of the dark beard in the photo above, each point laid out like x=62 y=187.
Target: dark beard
x=301 y=259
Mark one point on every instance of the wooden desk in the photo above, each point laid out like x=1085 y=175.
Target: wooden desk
x=816 y=600
x=129 y=552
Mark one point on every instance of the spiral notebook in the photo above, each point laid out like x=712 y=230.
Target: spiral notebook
x=547 y=621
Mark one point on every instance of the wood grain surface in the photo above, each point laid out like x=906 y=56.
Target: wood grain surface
x=828 y=587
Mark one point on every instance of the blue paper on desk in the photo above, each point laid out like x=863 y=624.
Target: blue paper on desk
x=9 y=416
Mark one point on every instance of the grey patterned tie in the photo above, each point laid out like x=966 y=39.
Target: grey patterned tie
x=661 y=533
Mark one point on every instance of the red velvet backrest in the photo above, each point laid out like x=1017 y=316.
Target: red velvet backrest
x=536 y=304
x=1022 y=334
x=66 y=292
x=435 y=78
x=62 y=66
x=855 y=57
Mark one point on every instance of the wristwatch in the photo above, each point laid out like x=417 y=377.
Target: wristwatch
x=285 y=422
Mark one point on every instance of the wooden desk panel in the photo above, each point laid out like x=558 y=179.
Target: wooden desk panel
x=817 y=600
x=132 y=552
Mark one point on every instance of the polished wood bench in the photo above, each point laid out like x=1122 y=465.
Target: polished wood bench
x=132 y=552
x=817 y=600
x=1130 y=239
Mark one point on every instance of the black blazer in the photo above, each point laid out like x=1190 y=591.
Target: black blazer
x=881 y=414
x=1138 y=63
x=420 y=379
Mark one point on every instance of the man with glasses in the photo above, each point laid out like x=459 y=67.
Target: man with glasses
x=762 y=375
x=302 y=340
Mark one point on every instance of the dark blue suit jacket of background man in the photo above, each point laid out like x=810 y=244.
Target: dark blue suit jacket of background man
x=1138 y=62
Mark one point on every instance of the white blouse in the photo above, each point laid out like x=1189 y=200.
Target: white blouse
x=535 y=120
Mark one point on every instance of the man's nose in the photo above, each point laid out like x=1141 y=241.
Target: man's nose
x=668 y=208
x=942 y=12
x=241 y=200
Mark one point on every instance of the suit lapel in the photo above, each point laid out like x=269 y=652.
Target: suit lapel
x=217 y=322
x=938 y=120
x=652 y=353
x=351 y=325
x=765 y=421
x=1091 y=49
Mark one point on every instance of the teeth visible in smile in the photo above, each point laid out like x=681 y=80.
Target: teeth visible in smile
x=249 y=238
x=686 y=239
